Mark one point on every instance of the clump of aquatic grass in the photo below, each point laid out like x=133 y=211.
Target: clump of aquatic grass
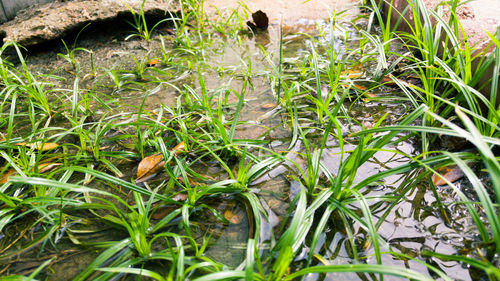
x=70 y=53
x=448 y=71
x=140 y=23
x=207 y=123
x=337 y=197
x=490 y=231
x=22 y=84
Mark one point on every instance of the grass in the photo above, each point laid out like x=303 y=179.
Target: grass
x=69 y=151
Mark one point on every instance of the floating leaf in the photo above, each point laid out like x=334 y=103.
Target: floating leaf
x=149 y=167
x=39 y=145
x=260 y=21
x=451 y=173
x=152 y=63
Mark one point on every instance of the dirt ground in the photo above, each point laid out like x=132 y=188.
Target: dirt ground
x=290 y=12
x=478 y=17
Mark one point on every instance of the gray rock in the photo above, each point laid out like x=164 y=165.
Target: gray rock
x=46 y=22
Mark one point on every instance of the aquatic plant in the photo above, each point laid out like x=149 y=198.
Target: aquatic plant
x=71 y=179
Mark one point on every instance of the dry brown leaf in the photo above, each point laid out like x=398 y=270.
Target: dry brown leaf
x=268 y=105
x=232 y=217
x=45 y=167
x=170 y=31
x=39 y=145
x=451 y=173
x=178 y=149
x=101 y=148
x=180 y=197
x=152 y=63
x=360 y=87
x=149 y=167
x=191 y=182
x=354 y=72
x=6 y=175
x=387 y=80
x=163 y=211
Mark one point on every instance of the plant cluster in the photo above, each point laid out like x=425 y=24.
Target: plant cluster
x=68 y=156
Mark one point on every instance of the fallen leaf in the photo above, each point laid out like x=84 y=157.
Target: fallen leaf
x=260 y=21
x=371 y=95
x=149 y=167
x=360 y=87
x=178 y=149
x=170 y=31
x=101 y=148
x=367 y=124
x=232 y=217
x=6 y=175
x=39 y=145
x=180 y=197
x=45 y=167
x=451 y=173
x=152 y=63
x=191 y=182
x=268 y=105
x=387 y=80
x=354 y=72
x=163 y=211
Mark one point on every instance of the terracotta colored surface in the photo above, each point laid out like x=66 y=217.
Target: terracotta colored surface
x=290 y=11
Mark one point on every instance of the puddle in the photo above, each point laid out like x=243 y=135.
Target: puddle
x=409 y=227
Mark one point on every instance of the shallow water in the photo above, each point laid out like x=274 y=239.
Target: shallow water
x=409 y=227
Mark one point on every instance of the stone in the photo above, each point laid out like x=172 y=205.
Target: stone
x=42 y=23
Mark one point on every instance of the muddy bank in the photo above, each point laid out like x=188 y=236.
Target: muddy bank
x=50 y=21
